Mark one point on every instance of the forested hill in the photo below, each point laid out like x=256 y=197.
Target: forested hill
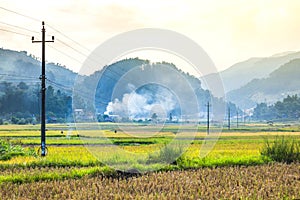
x=20 y=66
x=20 y=86
x=282 y=82
x=138 y=69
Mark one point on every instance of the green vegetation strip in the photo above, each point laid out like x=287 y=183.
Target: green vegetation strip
x=27 y=176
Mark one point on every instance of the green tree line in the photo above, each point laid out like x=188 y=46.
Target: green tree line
x=287 y=109
x=20 y=103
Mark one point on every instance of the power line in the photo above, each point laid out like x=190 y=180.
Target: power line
x=17 y=81
x=64 y=54
x=20 y=14
x=72 y=48
x=37 y=20
x=19 y=27
x=59 y=85
x=15 y=32
x=19 y=76
x=56 y=30
x=69 y=38
x=83 y=94
x=64 y=43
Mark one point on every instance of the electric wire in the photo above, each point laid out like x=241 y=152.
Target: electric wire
x=18 y=33
x=50 y=26
x=18 y=27
x=20 y=14
x=67 y=55
x=62 y=42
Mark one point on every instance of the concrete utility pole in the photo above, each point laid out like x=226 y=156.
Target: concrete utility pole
x=43 y=91
x=228 y=118
x=237 y=119
x=208 y=105
x=244 y=117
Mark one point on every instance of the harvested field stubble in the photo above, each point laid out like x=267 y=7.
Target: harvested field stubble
x=273 y=181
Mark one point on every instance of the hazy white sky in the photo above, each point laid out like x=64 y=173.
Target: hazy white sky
x=228 y=30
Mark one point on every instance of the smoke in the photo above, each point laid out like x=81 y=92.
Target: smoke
x=143 y=103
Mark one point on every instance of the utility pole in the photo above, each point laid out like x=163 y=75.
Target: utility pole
x=43 y=91
x=244 y=117
x=237 y=119
x=228 y=118
x=208 y=105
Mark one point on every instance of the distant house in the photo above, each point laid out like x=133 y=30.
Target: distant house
x=83 y=116
x=51 y=120
x=78 y=112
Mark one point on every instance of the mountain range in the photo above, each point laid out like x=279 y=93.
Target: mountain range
x=143 y=87
x=257 y=80
x=280 y=83
x=246 y=83
x=19 y=66
x=178 y=92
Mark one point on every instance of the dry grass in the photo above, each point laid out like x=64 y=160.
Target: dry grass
x=276 y=181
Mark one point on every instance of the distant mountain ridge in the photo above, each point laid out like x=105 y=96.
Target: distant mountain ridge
x=19 y=66
x=254 y=68
x=280 y=83
x=112 y=75
x=247 y=83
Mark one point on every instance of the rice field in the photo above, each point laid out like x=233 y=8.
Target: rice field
x=110 y=163
x=274 y=181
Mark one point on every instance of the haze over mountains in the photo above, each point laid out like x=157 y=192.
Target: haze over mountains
x=246 y=83
x=167 y=86
x=243 y=72
x=19 y=66
x=280 y=83
x=249 y=82
x=135 y=88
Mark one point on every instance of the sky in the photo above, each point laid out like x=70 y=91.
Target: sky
x=229 y=31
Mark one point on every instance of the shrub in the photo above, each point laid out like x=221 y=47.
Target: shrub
x=168 y=154
x=14 y=120
x=22 y=121
x=8 y=151
x=283 y=149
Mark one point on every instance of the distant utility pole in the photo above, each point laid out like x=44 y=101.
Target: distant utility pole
x=237 y=119
x=43 y=91
x=208 y=105
x=228 y=118
x=244 y=117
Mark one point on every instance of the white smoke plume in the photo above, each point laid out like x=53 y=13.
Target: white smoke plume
x=142 y=106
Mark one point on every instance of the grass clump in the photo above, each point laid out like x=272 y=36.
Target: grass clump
x=168 y=154
x=282 y=149
x=8 y=150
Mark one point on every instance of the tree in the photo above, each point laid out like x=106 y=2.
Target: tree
x=289 y=108
x=263 y=112
x=23 y=101
x=154 y=117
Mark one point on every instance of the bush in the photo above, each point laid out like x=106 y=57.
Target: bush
x=22 y=121
x=168 y=154
x=14 y=120
x=8 y=151
x=283 y=149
